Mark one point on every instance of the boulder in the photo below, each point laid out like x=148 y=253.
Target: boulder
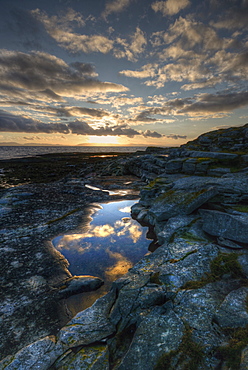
x=90 y=325
x=79 y=284
x=232 y=313
x=229 y=226
x=178 y=202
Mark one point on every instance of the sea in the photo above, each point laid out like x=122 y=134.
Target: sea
x=10 y=152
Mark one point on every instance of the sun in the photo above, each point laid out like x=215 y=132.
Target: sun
x=104 y=140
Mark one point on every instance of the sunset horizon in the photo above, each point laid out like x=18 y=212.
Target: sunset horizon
x=121 y=73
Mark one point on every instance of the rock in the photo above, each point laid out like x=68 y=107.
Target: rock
x=228 y=243
x=232 y=313
x=197 y=307
x=90 y=325
x=135 y=297
x=79 y=284
x=245 y=158
x=91 y=358
x=189 y=166
x=215 y=155
x=174 y=165
x=176 y=202
x=244 y=359
x=218 y=171
x=202 y=166
x=158 y=334
x=171 y=226
x=231 y=139
x=243 y=262
x=38 y=355
x=229 y=226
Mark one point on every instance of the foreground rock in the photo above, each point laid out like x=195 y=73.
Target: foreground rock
x=185 y=305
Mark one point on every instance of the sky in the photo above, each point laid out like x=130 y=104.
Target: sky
x=121 y=72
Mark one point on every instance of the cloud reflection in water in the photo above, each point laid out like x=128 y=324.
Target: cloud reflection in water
x=113 y=243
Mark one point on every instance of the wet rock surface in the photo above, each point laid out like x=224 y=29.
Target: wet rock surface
x=182 y=307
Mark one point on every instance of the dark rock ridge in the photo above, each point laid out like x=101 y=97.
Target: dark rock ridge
x=185 y=306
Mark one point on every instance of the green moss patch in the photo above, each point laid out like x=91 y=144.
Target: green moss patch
x=224 y=263
x=241 y=208
x=63 y=216
x=174 y=260
x=231 y=353
x=189 y=354
x=154 y=278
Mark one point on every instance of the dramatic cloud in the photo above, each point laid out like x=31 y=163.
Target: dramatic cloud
x=59 y=28
x=82 y=128
x=202 y=106
x=115 y=6
x=170 y=7
x=12 y=123
x=44 y=76
x=193 y=53
x=218 y=103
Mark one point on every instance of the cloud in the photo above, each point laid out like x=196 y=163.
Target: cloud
x=133 y=48
x=146 y=71
x=176 y=137
x=60 y=29
x=216 y=103
x=80 y=111
x=154 y=134
x=115 y=6
x=202 y=106
x=193 y=53
x=44 y=76
x=82 y=128
x=85 y=68
x=170 y=7
x=145 y=116
x=235 y=17
x=192 y=34
x=12 y=123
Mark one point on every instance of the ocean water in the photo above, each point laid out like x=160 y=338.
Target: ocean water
x=9 y=152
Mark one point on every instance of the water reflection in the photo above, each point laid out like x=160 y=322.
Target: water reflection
x=110 y=246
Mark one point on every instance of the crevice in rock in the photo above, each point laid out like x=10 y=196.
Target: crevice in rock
x=119 y=345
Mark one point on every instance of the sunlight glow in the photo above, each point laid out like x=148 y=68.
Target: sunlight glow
x=104 y=140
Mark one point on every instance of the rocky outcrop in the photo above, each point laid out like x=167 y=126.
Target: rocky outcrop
x=213 y=158
x=231 y=139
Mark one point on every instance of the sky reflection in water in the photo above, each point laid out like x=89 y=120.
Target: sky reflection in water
x=113 y=243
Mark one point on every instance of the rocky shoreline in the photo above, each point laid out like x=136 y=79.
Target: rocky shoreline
x=185 y=306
